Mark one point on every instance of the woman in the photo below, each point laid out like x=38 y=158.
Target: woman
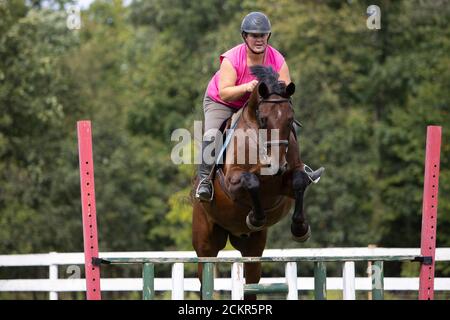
x=230 y=87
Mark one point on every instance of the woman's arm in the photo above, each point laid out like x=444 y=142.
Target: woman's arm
x=284 y=74
x=227 y=79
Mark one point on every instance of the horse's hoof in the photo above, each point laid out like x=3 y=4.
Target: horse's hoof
x=253 y=227
x=302 y=238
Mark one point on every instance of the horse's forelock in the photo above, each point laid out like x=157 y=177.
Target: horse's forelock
x=269 y=77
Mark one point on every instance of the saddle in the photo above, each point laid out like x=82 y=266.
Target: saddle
x=229 y=123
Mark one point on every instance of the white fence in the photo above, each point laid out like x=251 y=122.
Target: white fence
x=178 y=284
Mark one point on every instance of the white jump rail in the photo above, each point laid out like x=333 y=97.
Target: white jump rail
x=177 y=284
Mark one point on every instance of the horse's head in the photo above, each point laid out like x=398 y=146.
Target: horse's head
x=270 y=107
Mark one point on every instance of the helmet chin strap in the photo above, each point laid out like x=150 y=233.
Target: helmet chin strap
x=245 y=40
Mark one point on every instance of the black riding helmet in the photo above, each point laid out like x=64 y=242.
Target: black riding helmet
x=255 y=22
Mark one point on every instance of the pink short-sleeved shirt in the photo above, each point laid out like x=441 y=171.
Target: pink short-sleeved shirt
x=238 y=58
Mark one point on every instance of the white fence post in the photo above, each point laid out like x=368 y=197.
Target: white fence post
x=348 y=277
x=178 y=281
x=291 y=279
x=53 y=275
x=237 y=281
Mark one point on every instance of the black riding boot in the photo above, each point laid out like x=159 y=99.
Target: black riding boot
x=204 y=190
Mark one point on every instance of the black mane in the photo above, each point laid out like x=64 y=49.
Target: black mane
x=269 y=77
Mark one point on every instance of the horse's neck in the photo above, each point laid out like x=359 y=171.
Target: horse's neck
x=249 y=114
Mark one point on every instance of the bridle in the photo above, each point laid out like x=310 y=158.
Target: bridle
x=261 y=125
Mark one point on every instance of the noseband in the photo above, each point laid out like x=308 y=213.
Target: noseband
x=261 y=125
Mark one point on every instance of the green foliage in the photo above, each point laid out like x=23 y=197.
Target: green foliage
x=34 y=103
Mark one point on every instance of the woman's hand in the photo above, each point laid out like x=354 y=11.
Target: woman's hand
x=251 y=85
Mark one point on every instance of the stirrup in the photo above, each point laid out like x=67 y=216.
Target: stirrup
x=197 y=196
x=311 y=173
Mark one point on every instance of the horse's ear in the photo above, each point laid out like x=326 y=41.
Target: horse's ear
x=263 y=90
x=290 y=89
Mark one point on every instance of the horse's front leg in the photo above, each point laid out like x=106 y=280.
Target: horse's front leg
x=295 y=184
x=300 y=228
x=256 y=219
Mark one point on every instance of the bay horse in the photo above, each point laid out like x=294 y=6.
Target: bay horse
x=245 y=202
